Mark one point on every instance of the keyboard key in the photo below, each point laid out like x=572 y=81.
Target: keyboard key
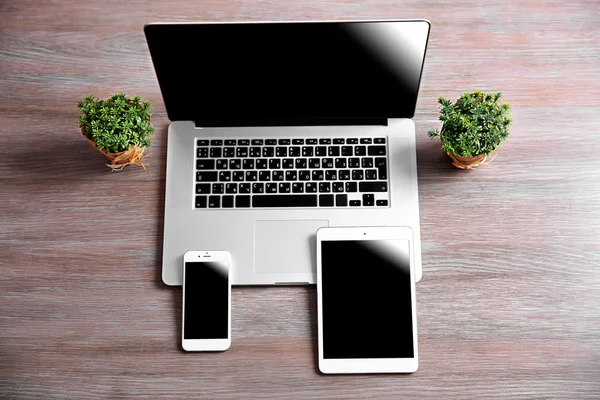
x=286 y=200
x=229 y=152
x=381 y=203
x=206 y=176
x=297 y=187
x=284 y=187
x=268 y=151
x=205 y=164
x=371 y=174
x=278 y=175
x=354 y=203
x=251 y=176
x=271 y=142
x=287 y=163
x=352 y=141
x=311 y=187
x=357 y=175
x=307 y=151
x=341 y=200
x=304 y=175
x=201 y=201
x=372 y=186
x=327 y=162
x=351 y=187
x=231 y=188
x=230 y=142
x=366 y=140
x=284 y=142
x=227 y=201
x=202 y=142
x=331 y=175
x=202 y=188
x=242 y=201
x=340 y=163
x=241 y=152
x=216 y=142
x=317 y=175
x=262 y=163
x=222 y=164
x=377 y=150
x=281 y=151
x=379 y=140
x=381 y=165
x=258 y=188
x=326 y=200
x=297 y=141
x=218 y=188
x=235 y=163
x=368 y=200
x=301 y=163
x=294 y=151
x=337 y=187
x=274 y=163
x=347 y=151
x=291 y=175
x=248 y=163
x=324 y=141
x=257 y=142
x=271 y=187
x=243 y=142
x=238 y=176
x=215 y=152
x=338 y=141
x=214 y=201
x=324 y=187
x=333 y=151
x=360 y=150
x=244 y=188
x=202 y=152
x=314 y=163
x=264 y=176
x=320 y=151
x=255 y=151
x=225 y=176
x=354 y=162
x=344 y=175
x=312 y=141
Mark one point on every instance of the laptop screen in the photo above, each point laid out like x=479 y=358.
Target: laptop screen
x=220 y=71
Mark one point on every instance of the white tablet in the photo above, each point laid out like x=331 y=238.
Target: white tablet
x=367 y=320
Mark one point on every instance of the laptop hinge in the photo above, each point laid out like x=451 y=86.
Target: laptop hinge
x=282 y=121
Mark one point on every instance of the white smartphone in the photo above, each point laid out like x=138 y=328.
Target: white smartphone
x=367 y=320
x=206 y=313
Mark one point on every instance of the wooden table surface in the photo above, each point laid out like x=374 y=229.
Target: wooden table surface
x=509 y=304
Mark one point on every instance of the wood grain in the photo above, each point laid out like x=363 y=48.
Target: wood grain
x=509 y=303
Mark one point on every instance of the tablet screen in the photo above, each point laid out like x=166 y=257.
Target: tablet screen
x=366 y=292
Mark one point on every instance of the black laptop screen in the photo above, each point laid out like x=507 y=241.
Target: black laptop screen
x=212 y=71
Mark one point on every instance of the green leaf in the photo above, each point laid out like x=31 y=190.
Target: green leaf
x=116 y=123
x=475 y=124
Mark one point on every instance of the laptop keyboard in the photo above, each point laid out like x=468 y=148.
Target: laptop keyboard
x=275 y=173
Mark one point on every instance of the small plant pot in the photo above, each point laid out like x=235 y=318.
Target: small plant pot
x=120 y=160
x=468 y=162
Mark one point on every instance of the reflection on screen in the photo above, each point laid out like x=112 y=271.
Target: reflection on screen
x=366 y=292
x=206 y=300
x=279 y=70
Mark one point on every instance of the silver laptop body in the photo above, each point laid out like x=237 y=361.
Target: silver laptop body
x=273 y=244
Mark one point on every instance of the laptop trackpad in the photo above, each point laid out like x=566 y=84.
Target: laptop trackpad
x=286 y=246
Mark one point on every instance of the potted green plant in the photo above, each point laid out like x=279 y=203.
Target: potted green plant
x=472 y=127
x=118 y=127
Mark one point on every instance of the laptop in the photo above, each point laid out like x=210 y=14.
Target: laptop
x=281 y=128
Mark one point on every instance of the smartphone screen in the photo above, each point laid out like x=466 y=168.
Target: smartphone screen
x=366 y=294
x=206 y=300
